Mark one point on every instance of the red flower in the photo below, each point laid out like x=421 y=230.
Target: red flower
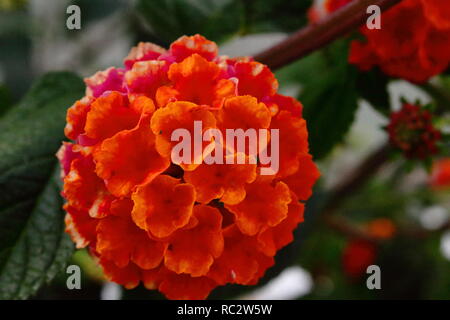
x=413 y=42
x=357 y=256
x=182 y=228
x=411 y=130
x=440 y=174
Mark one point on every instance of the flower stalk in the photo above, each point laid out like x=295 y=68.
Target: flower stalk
x=316 y=36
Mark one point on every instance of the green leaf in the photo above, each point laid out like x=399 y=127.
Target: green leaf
x=275 y=15
x=328 y=95
x=372 y=86
x=33 y=245
x=170 y=19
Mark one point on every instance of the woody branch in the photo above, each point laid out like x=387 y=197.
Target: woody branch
x=316 y=36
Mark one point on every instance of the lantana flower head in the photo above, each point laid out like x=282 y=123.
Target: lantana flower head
x=412 y=131
x=413 y=42
x=182 y=228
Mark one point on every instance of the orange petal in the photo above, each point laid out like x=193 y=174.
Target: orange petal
x=129 y=158
x=221 y=181
x=121 y=241
x=128 y=276
x=303 y=180
x=271 y=239
x=187 y=46
x=193 y=250
x=280 y=103
x=222 y=90
x=241 y=262
x=80 y=226
x=265 y=204
x=195 y=80
x=143 y=105
x=194 y=67
x=152 y=278
x=82 y=187
x=255 y=79
x=109 y=115
x=184 y=287
x=242 y=112
x=166 y=94
x=179 y=115
x=293 y=141
x=163 y=205
x=76 y=118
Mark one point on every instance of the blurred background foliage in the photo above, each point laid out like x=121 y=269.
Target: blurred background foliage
x=345 y=110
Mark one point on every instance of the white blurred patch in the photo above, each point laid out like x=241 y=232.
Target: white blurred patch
x=251 y=45
x=365 y=135
x=403 y=89
x=289 y=90
x=111 y=291
x=445 y=245
x=434 y=217
x=292 y=283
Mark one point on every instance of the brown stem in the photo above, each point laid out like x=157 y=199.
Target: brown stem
x=349 y=229
x=316 y=36
x=349 y=186
x=346 y=227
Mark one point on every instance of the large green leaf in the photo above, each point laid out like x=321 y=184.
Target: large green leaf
x=372 y=86
x=33 y=245
x=328 y=95
x=170 y=19
x=275 y=15
x=219 y=19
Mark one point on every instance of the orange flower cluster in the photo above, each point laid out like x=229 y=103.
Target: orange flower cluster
x=411 y=130
x=413 y=42
x=181 y=229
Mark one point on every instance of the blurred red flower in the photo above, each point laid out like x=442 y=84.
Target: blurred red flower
x=413 y=42
x=440 y=174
